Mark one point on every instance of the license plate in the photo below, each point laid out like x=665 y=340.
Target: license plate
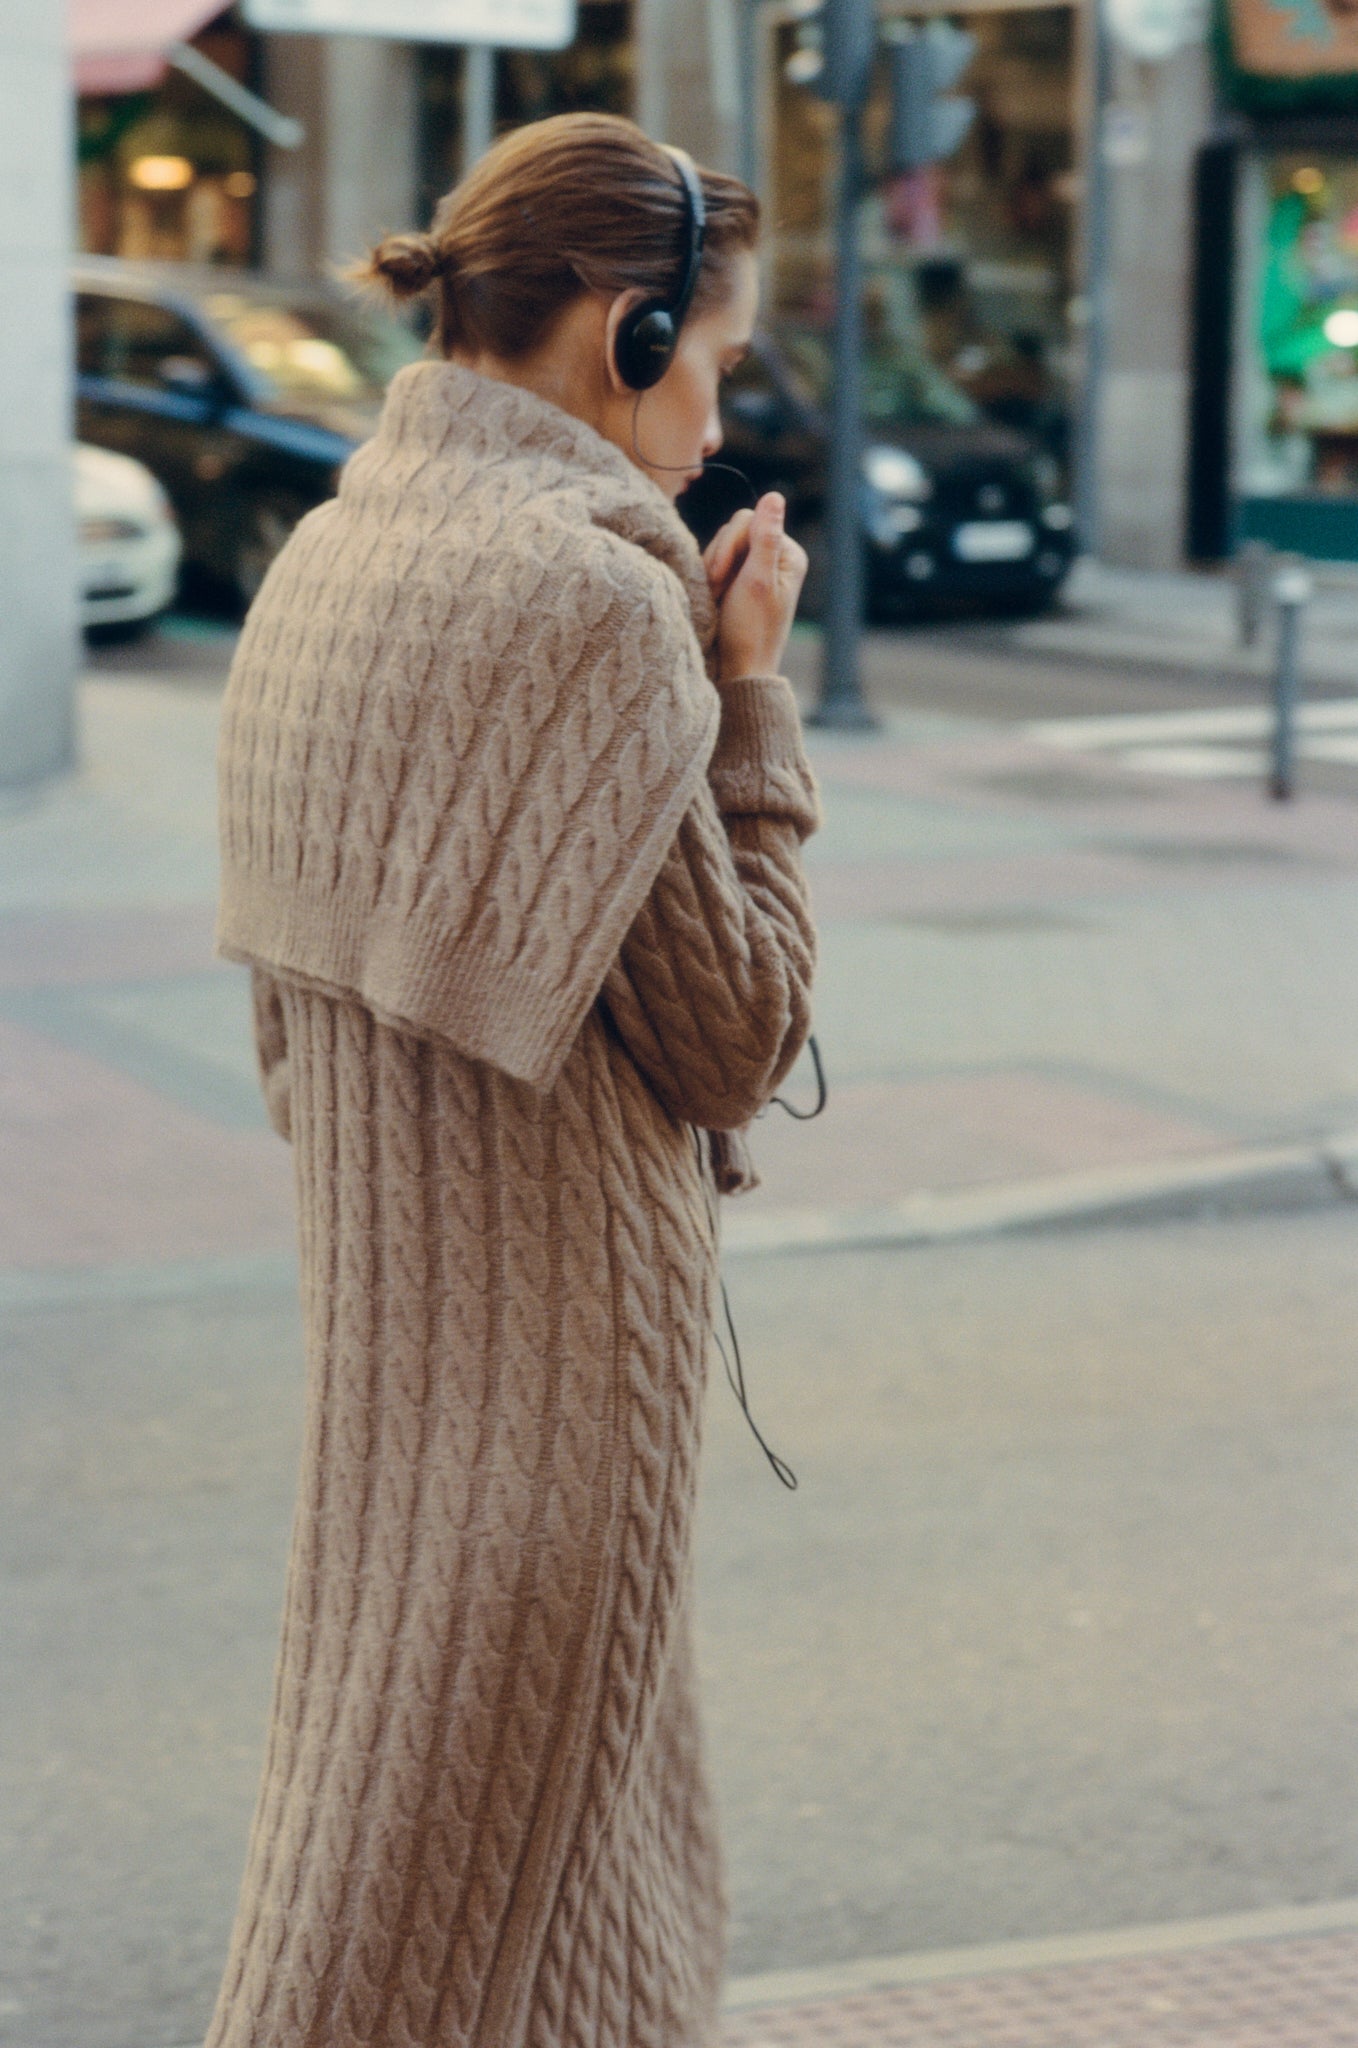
x=993 y=540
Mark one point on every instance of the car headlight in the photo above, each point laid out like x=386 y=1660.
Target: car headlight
x=896 y=473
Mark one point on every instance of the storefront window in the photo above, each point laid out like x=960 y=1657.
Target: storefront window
x=171 y=174
x=970 y=263
x=1301 y=434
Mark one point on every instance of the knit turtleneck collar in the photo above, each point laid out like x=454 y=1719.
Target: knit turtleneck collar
x=437 y=405
x=466 y=716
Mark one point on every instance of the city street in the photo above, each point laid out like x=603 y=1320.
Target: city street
x=1052 y=1313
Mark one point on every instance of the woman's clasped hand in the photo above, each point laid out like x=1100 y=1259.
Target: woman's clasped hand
x=756 y=571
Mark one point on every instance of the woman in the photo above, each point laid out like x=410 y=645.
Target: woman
x=518 y=874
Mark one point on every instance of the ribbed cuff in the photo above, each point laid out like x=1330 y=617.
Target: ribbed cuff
x=759 y=766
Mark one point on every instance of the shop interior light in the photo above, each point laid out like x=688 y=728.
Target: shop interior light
x=240 y=184
x=160 y=173
x=1309 y=180
x=1341 y=328
x=807 y=60
x=805 y=64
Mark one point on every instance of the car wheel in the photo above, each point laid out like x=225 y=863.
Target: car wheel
x=117 y=632
x=1028 y=604
x=266 y=522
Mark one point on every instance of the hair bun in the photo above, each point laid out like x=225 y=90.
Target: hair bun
x=406 y=264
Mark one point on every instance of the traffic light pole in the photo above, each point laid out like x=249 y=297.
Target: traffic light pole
x=841 y=699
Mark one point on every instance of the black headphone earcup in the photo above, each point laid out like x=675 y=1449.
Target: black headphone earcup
x=645 y=345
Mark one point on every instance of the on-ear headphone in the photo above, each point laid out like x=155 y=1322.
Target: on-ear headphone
x=649 y=334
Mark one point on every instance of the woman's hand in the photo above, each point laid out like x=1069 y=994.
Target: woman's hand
x=756 y=572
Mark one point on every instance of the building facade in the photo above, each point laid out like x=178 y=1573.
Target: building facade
x=1224 y=400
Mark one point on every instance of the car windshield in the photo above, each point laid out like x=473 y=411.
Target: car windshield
x=313 y=350
x=901 y=387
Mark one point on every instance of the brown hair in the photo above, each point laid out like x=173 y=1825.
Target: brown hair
x=578 y=203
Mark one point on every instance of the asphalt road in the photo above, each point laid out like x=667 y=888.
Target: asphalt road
x=1058 y=1633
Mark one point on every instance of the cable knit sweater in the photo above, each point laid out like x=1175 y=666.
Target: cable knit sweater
x=523 y=898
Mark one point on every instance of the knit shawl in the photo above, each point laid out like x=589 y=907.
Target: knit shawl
x=467 y=713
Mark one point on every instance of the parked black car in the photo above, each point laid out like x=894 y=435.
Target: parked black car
x=243 y=397
x=956 y=511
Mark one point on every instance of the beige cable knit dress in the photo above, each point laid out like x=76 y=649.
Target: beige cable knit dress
x=527 y=919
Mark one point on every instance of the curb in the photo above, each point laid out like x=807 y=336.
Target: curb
x=1256 y=1180
x=1251 y=1179
x=887 y=1973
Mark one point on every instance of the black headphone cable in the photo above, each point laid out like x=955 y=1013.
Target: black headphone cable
x=681 y=468
x=734 y=1364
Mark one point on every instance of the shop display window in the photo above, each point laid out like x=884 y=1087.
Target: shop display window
x=1300 y=431
x=171 y=174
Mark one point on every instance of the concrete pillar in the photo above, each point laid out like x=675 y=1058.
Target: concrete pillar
x=1159 y=116
x=38 y=628
x=688 y=76
x=354 y=178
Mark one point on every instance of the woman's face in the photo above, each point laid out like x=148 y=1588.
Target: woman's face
x=672 y=429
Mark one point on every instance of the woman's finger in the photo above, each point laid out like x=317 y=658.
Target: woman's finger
x=725 y=551
x=724 y=557
x=792 y=563
x=767 y=535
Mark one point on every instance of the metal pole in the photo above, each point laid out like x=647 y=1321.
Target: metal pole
x=279 y=129
x=747 y=45
x=841 y=700
x=1291 y=590
x=478 y=102
x=1254 y=566
x=1096 y=288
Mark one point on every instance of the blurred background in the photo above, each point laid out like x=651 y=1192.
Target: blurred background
x=1032 y=1712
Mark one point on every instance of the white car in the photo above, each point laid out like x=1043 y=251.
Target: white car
x=128 y=544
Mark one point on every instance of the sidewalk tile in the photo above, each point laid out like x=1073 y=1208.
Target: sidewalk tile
x=1252 y=1994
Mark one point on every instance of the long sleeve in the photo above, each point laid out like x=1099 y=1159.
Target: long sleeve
x=271 y=1050
x=711 y=992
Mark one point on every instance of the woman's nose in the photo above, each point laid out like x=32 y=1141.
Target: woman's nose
x=712 y=435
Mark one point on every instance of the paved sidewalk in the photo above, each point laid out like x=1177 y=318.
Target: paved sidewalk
x=1191 y=621
x=1043 y=969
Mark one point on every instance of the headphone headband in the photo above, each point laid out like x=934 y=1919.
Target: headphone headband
x=649 y=334
x=695 y=235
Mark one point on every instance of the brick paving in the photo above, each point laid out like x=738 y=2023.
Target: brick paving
x=1246 y=1994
